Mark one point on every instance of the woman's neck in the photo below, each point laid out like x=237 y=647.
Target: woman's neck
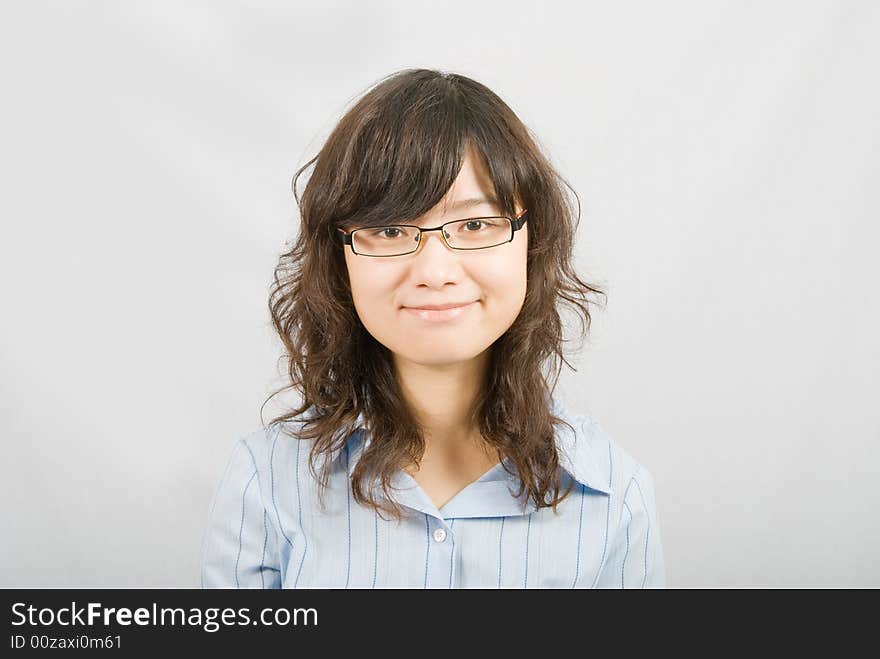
x=442 y=398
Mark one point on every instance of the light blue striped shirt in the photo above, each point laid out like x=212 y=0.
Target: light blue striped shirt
x=266 y=528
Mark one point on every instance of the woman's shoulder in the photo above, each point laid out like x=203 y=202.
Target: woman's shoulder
x=618 y=463
x=272 y=444
x=595 y=451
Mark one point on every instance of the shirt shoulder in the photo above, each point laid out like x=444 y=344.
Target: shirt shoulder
x=272 y=445
x=615 y=463
x=591 y=453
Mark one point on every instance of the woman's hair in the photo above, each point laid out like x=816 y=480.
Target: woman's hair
x=395 y=154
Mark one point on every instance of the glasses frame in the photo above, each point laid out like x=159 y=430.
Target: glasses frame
x=515 y=225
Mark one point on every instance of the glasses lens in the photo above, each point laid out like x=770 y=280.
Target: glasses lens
x=385 y=241
x=478 y=232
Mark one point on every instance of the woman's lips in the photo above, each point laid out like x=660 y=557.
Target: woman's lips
x=439 y=315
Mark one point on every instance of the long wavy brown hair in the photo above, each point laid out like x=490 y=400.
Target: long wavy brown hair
x=395 y=153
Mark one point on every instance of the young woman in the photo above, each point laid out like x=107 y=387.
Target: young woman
x=418 y=308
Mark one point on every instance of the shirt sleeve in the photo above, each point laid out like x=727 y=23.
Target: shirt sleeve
x=239 y=549
x=636 y=559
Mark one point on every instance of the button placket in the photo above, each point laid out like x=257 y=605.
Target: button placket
x=441 y=554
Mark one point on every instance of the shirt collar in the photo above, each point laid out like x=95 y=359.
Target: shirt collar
x=490 y=495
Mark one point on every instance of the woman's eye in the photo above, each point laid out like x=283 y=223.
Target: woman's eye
x=473 y=222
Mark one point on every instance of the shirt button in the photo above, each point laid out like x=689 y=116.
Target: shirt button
x=439 y=535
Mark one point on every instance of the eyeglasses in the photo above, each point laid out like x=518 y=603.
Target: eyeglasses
x=466 y=234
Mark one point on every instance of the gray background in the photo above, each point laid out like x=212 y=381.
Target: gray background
x=726 y=155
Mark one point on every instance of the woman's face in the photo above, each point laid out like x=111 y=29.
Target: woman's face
x=492 y=279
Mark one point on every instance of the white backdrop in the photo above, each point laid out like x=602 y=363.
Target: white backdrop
x=726 y=155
